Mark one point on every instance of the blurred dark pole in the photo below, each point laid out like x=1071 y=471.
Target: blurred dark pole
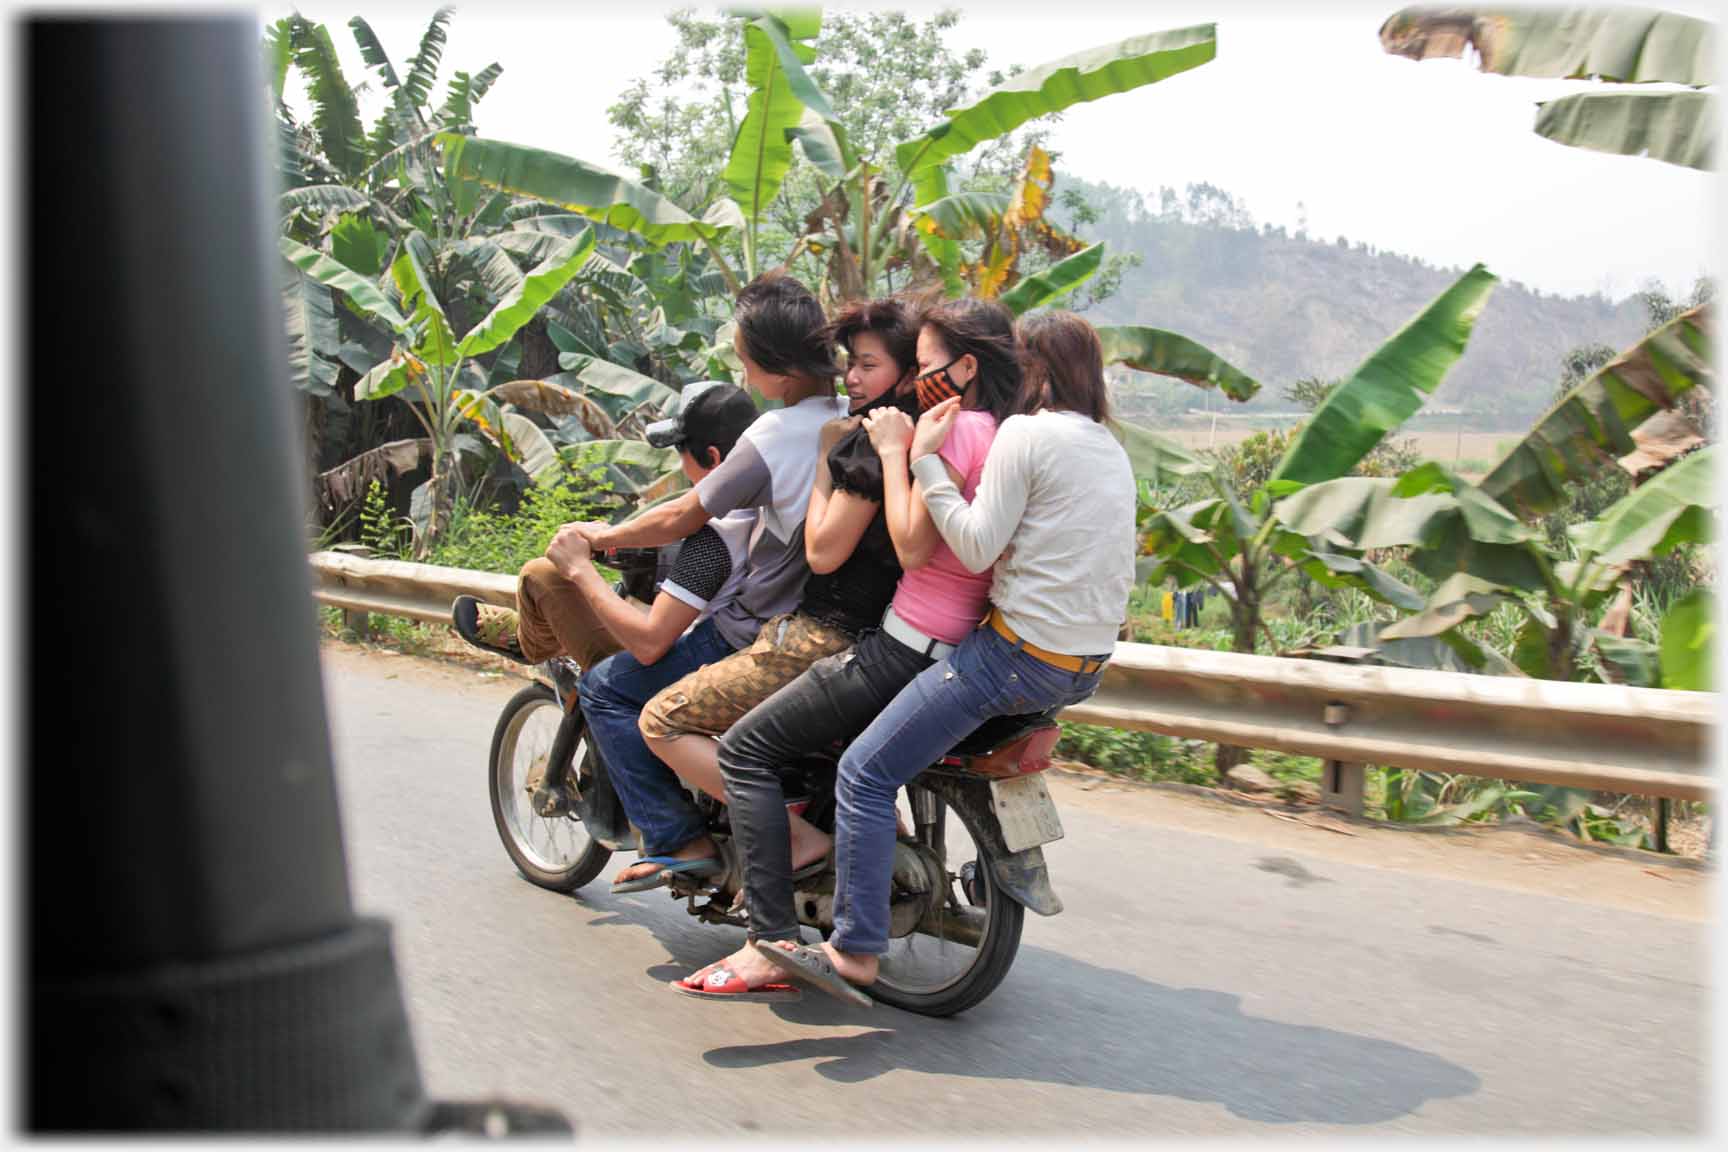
x=194 y=961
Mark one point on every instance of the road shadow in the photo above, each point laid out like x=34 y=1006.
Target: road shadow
x=1058 y=1020
x=1062 y=1021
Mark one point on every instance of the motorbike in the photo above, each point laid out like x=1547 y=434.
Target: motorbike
x=968 y=864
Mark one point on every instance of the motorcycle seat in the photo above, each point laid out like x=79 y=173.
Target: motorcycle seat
x=1000 y=730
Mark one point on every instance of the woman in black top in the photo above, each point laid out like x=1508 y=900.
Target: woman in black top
x=853 y=564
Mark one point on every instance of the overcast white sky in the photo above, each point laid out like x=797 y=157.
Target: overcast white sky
x=1433 y=159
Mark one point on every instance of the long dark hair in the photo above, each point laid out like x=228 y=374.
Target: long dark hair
x=783 y=328
x=1063 y=355
x=889 y=319
x=985 y=330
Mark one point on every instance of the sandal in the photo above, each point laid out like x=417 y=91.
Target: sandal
x=812 y=967
x=670 y=866
x=724 y=984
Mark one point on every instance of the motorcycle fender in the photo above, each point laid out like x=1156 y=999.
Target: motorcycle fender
x=1024 y=877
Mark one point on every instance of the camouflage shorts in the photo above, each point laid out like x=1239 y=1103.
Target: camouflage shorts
x=714 y=697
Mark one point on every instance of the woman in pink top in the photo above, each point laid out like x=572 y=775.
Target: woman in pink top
x=964 y=348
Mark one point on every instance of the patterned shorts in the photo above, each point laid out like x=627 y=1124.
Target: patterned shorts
x=714 y=697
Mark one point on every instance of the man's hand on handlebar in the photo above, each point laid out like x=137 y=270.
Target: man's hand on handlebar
x=571 y=548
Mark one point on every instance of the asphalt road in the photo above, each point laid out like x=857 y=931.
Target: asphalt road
x=1195 y=984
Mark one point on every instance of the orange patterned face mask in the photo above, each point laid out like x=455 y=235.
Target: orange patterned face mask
x=936 y=386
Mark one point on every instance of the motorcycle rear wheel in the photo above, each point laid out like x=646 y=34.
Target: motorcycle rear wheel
x=555 y=853
x=937 y=977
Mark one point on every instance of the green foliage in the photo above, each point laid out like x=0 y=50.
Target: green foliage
x=495 y=542
x=387 y=534
x=1137 y=755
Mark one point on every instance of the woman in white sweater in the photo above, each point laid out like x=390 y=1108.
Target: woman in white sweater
x=1054 y=514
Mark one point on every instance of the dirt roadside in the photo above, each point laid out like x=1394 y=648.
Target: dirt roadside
x=1523 y=857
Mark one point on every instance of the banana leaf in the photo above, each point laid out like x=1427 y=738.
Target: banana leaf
x=278 y=54
x=554 y=399
x=372 y=52
x=437 y=343
x=466 y=91
x=423 y=65
x=1082 y=77
x=312 y=333
x=364 y=294
x=1167 y=354
x=517 y=308
x=1058 y=279
x=1387 y=389
x=930 y=185
x=481 y=258
x=1153 y=457
x=963 y=215
x=780 y=94
x=1593 y=424
x=1190 y=543
x=324 y=198
x=335 y=109
x=573 y=186
x=617 y=389
x=1628 y=660
x=357 y=243
x=533 y=450
x=824 y=143
x=1671 y=508
x=1688 y=629
x=1629 y=45
x=1458 y=598
x=622 y=458
x=388 y=377
x=1675 y=127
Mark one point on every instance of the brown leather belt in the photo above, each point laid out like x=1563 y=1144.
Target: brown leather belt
x=1081 y=664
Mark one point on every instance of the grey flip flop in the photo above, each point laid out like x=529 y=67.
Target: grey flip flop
x=670 y=866
x=812 y=966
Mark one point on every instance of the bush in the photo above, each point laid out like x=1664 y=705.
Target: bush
x=496 y=542
x=1137 y=755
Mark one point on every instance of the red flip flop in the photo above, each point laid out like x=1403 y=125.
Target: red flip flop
x=725 y=984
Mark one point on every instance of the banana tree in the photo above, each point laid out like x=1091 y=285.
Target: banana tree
x=1482 y=546
x=432 y=367
x=1236 y=543
x=1558 y=596
x=1618 y=46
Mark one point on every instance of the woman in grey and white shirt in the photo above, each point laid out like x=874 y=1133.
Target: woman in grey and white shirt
x=1054 y=513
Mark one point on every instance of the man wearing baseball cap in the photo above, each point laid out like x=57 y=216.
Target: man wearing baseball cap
x=575 y=612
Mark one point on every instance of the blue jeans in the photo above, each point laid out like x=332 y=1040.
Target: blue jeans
x=985 y=677
x=613 y=693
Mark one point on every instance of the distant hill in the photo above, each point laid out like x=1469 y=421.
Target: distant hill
x=1281 y=307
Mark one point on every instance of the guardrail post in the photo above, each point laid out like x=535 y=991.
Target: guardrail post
x=1664 y=807
x=1343 y=783
x=359 y=623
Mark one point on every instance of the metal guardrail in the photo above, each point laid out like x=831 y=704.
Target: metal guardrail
x=1643 y=741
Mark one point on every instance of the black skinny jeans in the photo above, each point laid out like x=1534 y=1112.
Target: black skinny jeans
x=835 y=699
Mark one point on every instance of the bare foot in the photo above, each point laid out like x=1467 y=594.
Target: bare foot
x=859 y=969
x=695 y=850
x=747 y=964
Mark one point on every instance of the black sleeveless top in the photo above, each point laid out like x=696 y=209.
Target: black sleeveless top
x=854 y=596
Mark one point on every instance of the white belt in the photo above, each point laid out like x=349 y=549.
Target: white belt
x=914 y=639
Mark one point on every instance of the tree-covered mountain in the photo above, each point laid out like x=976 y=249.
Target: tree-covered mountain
x=1283 y=306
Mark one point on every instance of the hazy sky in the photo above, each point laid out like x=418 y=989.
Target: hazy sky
x=1433 y=159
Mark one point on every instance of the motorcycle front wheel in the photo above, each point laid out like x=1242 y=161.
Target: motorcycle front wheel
x=939 y=975
x=554 y=852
